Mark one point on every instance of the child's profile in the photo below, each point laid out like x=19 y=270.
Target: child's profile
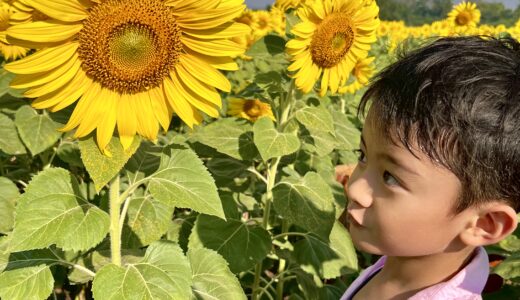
x=438 y=175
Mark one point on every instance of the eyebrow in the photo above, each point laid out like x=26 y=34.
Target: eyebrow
x=391 y=159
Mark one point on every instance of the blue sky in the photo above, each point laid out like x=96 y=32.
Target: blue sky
x=261 y=4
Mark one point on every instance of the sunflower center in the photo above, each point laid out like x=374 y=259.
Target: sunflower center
x=332 y=40
x=463 y=18
x=253 y=108
x=129 y=46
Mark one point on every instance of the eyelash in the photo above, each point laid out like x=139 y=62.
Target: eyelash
x=362 y=159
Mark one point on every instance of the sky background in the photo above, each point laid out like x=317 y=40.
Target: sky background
x=261 y=4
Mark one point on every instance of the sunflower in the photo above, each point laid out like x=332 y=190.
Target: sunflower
x=332 y=37
x=465 y=14
x=8 y=50
x=249 y=109
x=363 y=71
x=261 y=24
x=131 y=63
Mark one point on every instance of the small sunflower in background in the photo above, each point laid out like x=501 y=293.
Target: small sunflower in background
x=332 y=37
x=251 y=109
x=8 y=50
x=363 y=71
x=466 y=14
x=129 y=64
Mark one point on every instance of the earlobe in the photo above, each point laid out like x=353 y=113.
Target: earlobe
x=492 y=223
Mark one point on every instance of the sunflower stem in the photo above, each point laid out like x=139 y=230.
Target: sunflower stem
x=281 y=267
x=115 y=215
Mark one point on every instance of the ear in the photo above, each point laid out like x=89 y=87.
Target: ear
x=490 y=224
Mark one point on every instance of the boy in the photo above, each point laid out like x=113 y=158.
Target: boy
x=439 y=169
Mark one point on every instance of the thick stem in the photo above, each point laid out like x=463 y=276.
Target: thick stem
x=115 y=215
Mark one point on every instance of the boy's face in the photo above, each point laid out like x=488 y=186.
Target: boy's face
x=399 y=204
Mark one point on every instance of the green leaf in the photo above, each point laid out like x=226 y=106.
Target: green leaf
x=267 y=47
x=230 y=136
x=183 y=181
x=148 y=219
x=101 y=167
x=5 y=81
x=510 y=267
x=270 y=142
x=8 y=198
x=9 y=141
x=327 y=260
x=306 y=202
x=144 y=162
x=164 y=273
x=27 y=275
x=347 y=134
x=50 y=212
x=38 y=132
x=27 y=283
x=319 y=142
x=315 y=118
x=242 y=245
x=212 y=278
x=69 y=152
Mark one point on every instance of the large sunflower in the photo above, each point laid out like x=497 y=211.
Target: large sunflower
x=363 y=71
x=131 y=63
x=332 y=37
x=464 y=14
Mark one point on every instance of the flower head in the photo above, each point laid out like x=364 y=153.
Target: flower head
x=464 y=14
x=249 y=109
x=128 y=64
x=332 y=37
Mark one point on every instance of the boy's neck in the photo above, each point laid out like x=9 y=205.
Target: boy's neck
x=402 y=277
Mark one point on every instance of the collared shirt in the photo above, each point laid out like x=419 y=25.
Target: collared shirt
x=467 y=284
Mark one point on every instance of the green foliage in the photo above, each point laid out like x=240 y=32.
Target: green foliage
x=51 y=211
x=164 y=273
x=101 y=167
x=8 y=199
x=212 y=278
x=272 y=143
x=38 y=132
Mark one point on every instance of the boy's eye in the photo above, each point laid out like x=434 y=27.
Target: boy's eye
x=361 y=156
x=389 y=179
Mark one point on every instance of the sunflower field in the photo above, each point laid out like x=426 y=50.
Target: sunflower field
x=186 y=149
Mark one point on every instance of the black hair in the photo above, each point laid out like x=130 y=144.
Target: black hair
x=458 y=99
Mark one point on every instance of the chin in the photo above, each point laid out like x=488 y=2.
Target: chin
x=367 y=247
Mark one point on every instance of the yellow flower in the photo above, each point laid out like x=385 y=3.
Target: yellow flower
x=261 y=23
x=363 y=71
x=332 y=37
x=131 y=63
x=249 y=109
x=464 y=14
x=8 y=50
x=286 y=4
x=277 y=20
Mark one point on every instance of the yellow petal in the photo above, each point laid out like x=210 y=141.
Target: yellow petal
x=63 y=10
x=147 y=124
x=94 y=114
x=207 y=92
x=43 y=60
x=179 y=104
x=193 y=98
x=159 y=107
x=82 y=108
x=64 y=96
x=107 y=122
x=205 y=73
x=324 y=82
x=44 y=31
x=218 y=62
x=208 y=18
x=225 y=31
x=126 y=121
x=213 y=47
x=61 y=75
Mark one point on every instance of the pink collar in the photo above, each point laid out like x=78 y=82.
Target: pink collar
x=468 y=283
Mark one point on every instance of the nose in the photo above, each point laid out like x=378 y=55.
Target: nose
x=359 y=189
